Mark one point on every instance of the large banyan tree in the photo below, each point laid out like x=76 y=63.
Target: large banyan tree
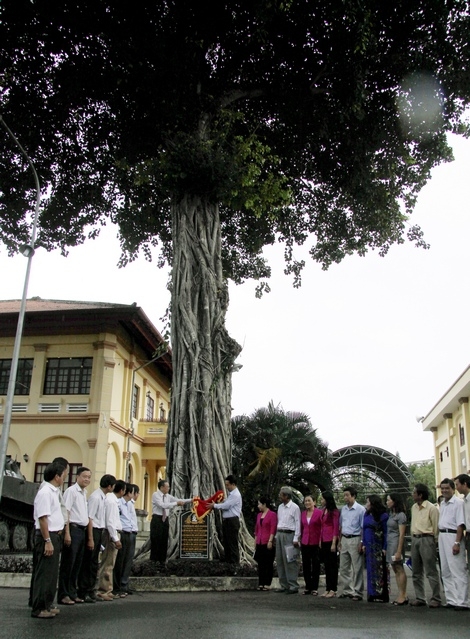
x=211 y=128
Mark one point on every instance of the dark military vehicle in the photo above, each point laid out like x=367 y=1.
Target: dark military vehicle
x=16 y=509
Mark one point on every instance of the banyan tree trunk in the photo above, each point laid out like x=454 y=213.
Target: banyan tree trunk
x=199 y=443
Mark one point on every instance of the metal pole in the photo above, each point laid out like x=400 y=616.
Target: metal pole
x=28 y=251
x=131 y=408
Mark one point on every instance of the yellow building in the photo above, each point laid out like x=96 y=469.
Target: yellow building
x=449 y=421
x=87 y=390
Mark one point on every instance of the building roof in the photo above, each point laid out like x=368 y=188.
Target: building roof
x=38 y=304
x=449 y=402
x=68 y=317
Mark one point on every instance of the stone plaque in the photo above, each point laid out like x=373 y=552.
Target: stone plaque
x=194 y=536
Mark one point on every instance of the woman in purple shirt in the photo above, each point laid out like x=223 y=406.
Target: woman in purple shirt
x=310 y=526
x=265 y=531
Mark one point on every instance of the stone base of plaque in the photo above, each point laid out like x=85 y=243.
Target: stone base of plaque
x=192 y=584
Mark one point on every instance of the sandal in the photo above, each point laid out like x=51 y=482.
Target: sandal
x=266 y=588
x=66 y=601
x=330 y=594
x=307 y=592
x=315 y=593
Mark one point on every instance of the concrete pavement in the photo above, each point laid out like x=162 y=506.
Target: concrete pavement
x=228 y=615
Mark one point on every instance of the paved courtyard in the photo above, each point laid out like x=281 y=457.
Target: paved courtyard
x=228 y=615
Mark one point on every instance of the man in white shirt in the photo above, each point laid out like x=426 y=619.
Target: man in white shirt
x=49 y=526
x=126 y=571
x=162 y=503
x=111 y=542
x=124 y=553
x=462 y=483
x=451 y=553
x=287 y=542
x=231 y=510
x=96 y=518
x=76 y=537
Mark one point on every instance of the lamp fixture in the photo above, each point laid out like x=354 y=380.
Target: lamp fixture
x=27 y=250
x=26 y=457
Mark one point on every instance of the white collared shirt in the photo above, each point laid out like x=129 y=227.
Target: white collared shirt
x=232 y=506
x=451 y=513
x=75 y=501
x=288 y=518
x=161 y=502
x=111 y=514
x=46 y=504
x=125 y=514
x=96 y=505
x=466 y=508
x=135 y=526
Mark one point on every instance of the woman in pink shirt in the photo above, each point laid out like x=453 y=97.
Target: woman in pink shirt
x=329 y=542
x=310 y=527
x=265 y=531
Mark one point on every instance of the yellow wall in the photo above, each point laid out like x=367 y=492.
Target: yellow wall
x=100 y=437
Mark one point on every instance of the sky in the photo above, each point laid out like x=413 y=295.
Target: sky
x=363 y=348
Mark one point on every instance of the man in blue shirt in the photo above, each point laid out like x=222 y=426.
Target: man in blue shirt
x=351 y=566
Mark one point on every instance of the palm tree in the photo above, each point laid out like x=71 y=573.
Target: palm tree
x=274 y=448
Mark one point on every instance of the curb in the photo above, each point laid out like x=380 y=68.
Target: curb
x=159 y=584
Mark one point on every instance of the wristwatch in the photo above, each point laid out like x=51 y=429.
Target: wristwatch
x=47 y=540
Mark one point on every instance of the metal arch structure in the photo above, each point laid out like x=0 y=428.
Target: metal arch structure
x=381 y=467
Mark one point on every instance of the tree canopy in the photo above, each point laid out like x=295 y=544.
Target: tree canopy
x=284 y=112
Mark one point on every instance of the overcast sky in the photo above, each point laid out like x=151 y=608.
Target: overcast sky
x=363 y=348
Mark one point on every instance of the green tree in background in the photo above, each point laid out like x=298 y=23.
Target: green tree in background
x=273 y=448
x=424 y=473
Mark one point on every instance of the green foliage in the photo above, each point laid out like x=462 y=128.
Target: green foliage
x=284 y=114
x=424 y=473
x=274 y=448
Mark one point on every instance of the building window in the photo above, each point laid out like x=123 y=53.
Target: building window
x=69 y=480
x=68 y=376
x=150 y=408
x=462 y=435
x=23 y=376
x=135 y=401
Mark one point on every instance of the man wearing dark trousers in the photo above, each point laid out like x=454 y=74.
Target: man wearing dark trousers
x=231 y=510
x=89 y=568
x=122 y=558
x=162 y=503
x=76 y=537
x=49 y=526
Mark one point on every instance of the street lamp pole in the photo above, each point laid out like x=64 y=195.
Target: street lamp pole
x=131 y=409
x=28 y=251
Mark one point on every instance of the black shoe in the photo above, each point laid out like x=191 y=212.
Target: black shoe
x=88 y=599
x=461 y=608
x=129 y=592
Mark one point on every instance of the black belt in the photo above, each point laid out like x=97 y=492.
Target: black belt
x=285 y=530
x=126 y=532
x=423 y=535
x=350 y=536
x=447 y=530
x=73 y=525
x=51 y=532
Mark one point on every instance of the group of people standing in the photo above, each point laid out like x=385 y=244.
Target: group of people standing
x=373 y=534
x=280 y=536
x=86 y=545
